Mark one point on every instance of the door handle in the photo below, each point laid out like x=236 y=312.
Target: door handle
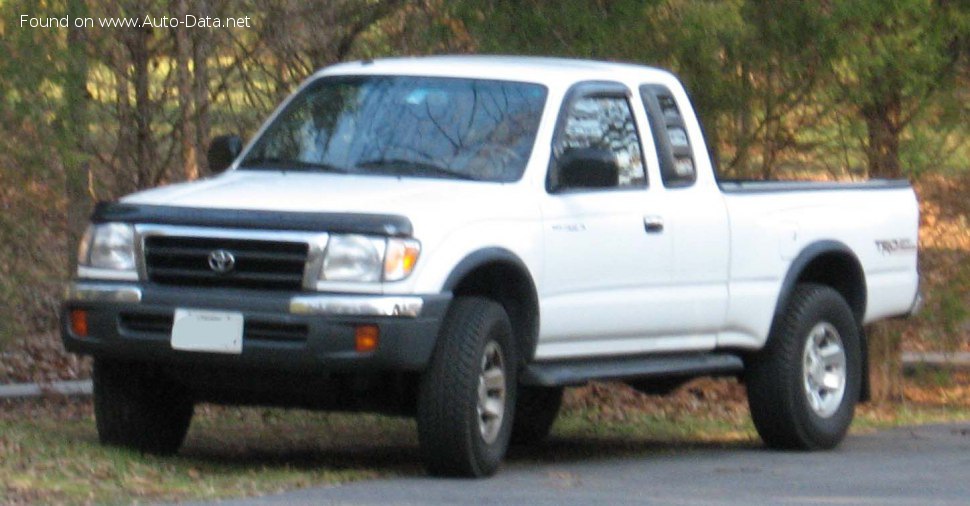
x=653 y=224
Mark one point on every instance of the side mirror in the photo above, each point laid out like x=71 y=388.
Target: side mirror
x=223 y=150
x=587 y=168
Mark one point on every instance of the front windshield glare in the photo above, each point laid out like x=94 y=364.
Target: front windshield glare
x=405 y=126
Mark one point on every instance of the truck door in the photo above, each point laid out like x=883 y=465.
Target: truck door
x=607 y=261
x=695 y=215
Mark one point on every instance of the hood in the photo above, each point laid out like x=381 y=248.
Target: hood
x=320 y=192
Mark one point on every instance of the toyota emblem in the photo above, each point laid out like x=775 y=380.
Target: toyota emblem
x=221 y=261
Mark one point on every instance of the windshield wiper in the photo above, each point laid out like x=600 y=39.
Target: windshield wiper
x=404 y=167
x=268 y=162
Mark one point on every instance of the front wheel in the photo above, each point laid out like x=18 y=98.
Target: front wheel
x=804 y=385
x=139 y=408
x=466 y=401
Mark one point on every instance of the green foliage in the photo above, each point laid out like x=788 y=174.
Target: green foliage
x=570 y=28
x=892 y=47
x=895 y=57
x=33 y=146
x=704 y=43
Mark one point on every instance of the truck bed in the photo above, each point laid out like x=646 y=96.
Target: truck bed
x=756 y=186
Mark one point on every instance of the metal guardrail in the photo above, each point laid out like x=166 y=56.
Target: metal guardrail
x=912 y=361
x=22 y=390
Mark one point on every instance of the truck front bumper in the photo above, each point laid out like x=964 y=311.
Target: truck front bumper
x=282 y=331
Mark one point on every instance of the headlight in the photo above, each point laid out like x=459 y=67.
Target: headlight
x=365 y=259
x=109 y=246
x=353 y=258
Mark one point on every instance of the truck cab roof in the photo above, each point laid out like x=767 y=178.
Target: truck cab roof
x=542 y=70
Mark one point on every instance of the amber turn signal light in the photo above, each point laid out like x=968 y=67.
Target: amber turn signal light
x=400 y=257
x=366 y=338
x=79 y=322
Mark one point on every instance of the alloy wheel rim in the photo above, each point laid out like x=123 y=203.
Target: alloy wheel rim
x=491 y=392
x=824 y=369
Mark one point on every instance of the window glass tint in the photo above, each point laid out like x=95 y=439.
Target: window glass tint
x=677 y=167
x=678 y=137
x=405 y=126
x=606 y=123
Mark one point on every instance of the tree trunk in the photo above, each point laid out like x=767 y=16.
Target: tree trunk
x=75 y=128
x=743 y=122
x=200 y=55
x=768 y=149
x=183 y=55
x=883 y=128
x=884 y=338
x=885 y=361
x=123 y=150
x=140 y=60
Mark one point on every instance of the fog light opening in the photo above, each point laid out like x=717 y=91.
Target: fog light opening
x=366 y=338
x=79 y=322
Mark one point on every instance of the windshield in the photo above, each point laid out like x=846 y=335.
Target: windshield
x=471 y=129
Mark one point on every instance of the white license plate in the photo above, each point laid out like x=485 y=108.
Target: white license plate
x=211 y=331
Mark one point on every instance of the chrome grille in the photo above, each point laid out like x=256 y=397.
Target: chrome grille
x=258 y=264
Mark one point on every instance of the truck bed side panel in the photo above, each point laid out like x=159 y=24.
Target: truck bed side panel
x=878 y=223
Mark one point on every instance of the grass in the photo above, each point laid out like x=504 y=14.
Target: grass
x=50 y=452
x=871 y=418
x=51 y=455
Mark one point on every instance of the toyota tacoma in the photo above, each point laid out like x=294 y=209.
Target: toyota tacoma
x=457 y=239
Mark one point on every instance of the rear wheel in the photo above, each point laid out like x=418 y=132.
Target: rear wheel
x=139 y=408
x=804 y=385
x=466 y=401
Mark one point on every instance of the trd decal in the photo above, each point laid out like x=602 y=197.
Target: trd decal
x=893 y=246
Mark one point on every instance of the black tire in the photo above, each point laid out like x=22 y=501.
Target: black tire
x=451 y=438
x=777 y=378
x=536 y=409
x=137 y=408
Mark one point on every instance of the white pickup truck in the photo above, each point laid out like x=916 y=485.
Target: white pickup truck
x=459 y=238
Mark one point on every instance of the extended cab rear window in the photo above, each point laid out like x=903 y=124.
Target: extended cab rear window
x=678 y=168
x=434 y=127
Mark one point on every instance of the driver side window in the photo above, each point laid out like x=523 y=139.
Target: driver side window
x=605 y=125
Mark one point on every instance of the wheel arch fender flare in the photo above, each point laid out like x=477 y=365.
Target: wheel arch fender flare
x=479 y=273
x=810 y=260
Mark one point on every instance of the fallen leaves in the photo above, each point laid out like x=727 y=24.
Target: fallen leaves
x=41 y=358
x=709 y=398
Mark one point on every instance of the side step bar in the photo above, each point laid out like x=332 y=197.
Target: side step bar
x=578 y=372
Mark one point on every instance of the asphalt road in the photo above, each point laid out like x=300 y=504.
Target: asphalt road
x=927 y=465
